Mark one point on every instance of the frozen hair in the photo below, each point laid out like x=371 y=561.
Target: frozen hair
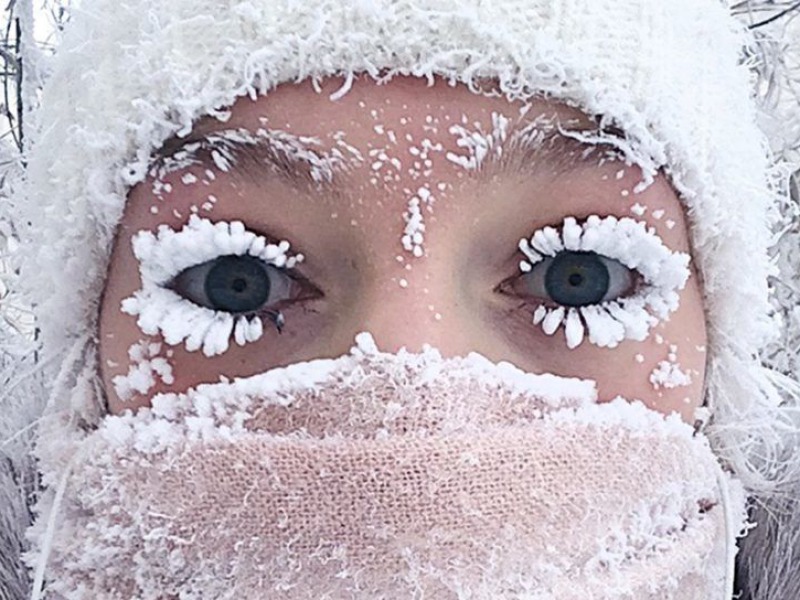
x=624 y=62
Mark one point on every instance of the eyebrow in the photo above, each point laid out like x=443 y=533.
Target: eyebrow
x=294 y=159
x=561 y=149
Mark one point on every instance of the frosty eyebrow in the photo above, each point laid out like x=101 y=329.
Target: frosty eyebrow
x=561 y=150
x=299 y=163
x=239 y=151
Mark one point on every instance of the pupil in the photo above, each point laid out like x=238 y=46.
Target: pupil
x=577 y=279
x=237 y=284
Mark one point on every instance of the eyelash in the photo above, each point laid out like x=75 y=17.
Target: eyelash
x=626 y=243
x=169 y=257
x=166 y=257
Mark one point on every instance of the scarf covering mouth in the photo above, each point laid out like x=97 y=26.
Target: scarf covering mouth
x=391 y=476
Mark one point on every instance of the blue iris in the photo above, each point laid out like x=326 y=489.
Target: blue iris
x=237 y=284
x=577 y=279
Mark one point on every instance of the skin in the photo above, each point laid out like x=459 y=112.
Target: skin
x=454 y=297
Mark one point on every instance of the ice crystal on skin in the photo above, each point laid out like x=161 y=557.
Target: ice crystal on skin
x=669 y=375
x=638 y=210
x=223 y=146
x=477 y=143
x=422 y=161
x=632 y=244
x=422 y=166
x=162 y=256
x=413 y=233
x=146 y=367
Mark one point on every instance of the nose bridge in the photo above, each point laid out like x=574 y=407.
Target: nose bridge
x=421 y=309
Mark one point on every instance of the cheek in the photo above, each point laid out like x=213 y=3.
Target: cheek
x=136 y=366
x=673 y=359
x=126 y=354
x=666 y=371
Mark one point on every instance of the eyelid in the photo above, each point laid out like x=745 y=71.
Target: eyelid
x=536 y=278
x=625 y=240
x=189 y=283
x=165 y=254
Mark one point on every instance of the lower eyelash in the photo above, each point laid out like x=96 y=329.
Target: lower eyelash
x=632 y=244
x=160 y=310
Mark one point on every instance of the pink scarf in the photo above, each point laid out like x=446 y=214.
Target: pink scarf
x=394 y=476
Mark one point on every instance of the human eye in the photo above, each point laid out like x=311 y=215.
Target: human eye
x=576 y=278
x=240 y=285
x=611 y=278
x=210 y=282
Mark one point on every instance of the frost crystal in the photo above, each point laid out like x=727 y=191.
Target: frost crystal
x=632 y=244
x=668 y=374
x=225 y=149
x=164 y=255
x=477 y=144
x=413 y=234
x=146 y=367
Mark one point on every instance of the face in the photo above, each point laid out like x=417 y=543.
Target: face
x=408 y=203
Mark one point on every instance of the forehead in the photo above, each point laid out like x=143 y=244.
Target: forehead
x=415 y=147
x=320 y=109
x=408 y=137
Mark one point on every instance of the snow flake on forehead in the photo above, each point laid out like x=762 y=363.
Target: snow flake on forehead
x=476 y=143
x=384 y=165
x=414 y=231
x=423 y=157
x=168 y=253
x=628 y=245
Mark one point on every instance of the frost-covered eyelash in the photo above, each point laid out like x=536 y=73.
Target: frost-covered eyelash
x=632 y=244
x=162 y=256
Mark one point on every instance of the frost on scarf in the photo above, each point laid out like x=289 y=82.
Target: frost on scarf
x=378 y=475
